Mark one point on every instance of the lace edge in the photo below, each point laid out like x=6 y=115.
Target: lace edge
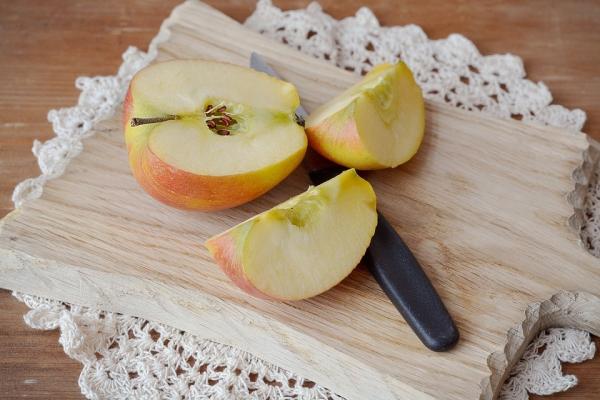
x=32 y=188
x=566 y=308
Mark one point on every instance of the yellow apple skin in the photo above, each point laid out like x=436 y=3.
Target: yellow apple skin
x=181 y=189
x=338 y=138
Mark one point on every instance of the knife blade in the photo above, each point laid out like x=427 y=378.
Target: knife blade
x=389 y=259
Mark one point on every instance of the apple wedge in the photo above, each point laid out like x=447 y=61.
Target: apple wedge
x=377 y=123
x=207 y=136
x=304 y=246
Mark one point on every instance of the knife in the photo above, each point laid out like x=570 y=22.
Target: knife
x=389 y=259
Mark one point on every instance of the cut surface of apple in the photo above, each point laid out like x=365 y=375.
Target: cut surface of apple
x=305 y=245
x=206 y=135
x=377 y=123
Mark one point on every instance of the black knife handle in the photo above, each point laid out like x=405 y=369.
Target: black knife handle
x=403 y=280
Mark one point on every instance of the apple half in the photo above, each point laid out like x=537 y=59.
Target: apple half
x=377 y=123
x=305 y=245
x=207 y=135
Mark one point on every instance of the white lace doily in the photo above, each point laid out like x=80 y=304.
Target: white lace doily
x=125 y=357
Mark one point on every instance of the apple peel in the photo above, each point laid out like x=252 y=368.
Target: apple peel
x=207 y=136
x=303 y=246
x=377 y=123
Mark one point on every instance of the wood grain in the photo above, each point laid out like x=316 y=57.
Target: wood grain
x=485 y=213
x=32 y=364
x=572 y=67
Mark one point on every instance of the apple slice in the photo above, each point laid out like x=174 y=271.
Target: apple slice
x=377 y=123
x=206 y=135
x=304 y=246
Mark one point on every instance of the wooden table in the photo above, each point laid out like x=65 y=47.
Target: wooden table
x=45 y=45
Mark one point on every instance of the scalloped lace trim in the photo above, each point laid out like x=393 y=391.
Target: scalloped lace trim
x=126 y=357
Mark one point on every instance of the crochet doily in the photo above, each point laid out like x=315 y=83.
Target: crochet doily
x=125 y=357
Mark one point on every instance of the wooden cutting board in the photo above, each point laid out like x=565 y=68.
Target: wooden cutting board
x=490 y=207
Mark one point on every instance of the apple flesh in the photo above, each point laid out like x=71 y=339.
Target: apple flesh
x=303 y=246
x=377 y=123
x=207 y=136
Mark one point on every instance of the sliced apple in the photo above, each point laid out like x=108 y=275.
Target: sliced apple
x=303 y=246
x=206 y=135
x=377 y=123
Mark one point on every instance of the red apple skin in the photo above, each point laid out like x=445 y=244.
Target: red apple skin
x=223 y=250
x=229 y=247
x=185 y=190
x=127 y=110
x=337 y=139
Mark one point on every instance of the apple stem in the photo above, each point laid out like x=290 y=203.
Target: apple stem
x=143 y=121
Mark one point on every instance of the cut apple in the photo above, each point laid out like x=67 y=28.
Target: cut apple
x=377 y=123
x=206 y=135
x=303 y=246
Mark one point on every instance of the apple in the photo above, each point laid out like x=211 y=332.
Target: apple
x=207 y=135
x=303 y=246
x=377 y=123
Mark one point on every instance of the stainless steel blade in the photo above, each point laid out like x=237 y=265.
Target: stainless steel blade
x=319 y=168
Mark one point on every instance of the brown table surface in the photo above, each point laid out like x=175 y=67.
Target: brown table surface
x=45 y=45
